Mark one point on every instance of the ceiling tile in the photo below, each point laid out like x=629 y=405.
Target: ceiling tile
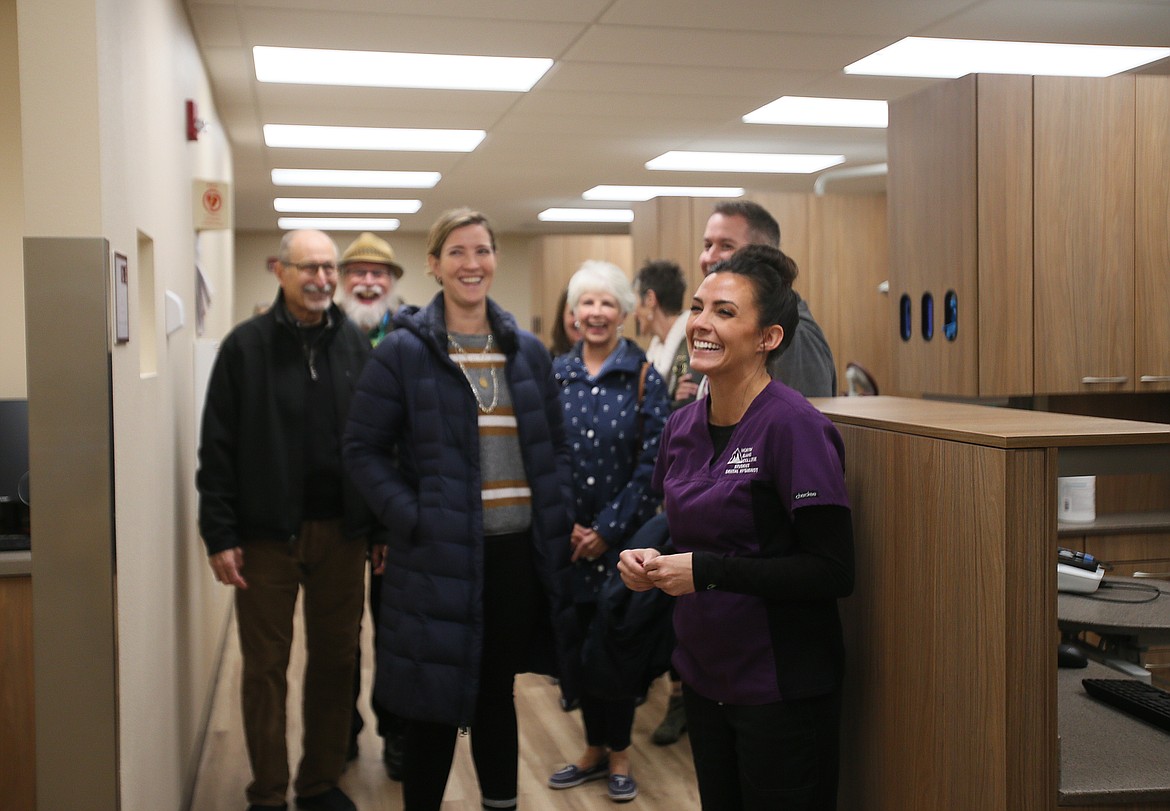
x=836 y=17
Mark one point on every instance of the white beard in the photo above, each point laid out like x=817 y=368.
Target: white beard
x=366 y=315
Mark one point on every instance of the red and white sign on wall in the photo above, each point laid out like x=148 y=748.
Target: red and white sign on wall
x=212 y=205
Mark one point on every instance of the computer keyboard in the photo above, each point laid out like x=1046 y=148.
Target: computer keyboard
x=1141 y=700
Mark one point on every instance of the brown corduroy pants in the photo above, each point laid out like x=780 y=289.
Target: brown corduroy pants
x=331 y=570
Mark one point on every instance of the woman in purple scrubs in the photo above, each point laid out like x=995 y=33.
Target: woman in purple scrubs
x=754 y=486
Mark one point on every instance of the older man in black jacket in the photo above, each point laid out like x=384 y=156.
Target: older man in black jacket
x=278 y=514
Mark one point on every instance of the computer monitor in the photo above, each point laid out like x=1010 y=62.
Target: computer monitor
x=14 y=482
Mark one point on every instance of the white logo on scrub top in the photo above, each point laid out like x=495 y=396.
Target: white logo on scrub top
x=741 y=461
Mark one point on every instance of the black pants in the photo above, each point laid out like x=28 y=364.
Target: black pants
x=510 y=603
x=388 y=723
x=608 y=722
x=774 y=757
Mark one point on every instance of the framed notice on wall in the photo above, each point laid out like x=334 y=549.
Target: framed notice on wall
x=212 y=205
x=121 y=299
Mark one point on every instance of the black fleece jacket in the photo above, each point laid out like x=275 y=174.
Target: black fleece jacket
x=251 y=476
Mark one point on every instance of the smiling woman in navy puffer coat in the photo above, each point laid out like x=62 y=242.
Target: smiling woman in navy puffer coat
x=455 y=439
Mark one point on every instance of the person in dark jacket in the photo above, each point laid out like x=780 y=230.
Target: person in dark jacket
x=615 y=406
x=455 y=439
x=278 y=515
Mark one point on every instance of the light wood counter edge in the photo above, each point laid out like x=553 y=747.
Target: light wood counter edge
x=15 y=564
x=991 y=426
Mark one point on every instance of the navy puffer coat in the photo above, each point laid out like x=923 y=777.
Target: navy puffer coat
x=412 y=449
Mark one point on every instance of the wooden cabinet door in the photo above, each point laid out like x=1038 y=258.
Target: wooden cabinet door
x=1126 y=554
x=931 y=195
x=1005 y=236
x=17 y=722
x=1152 y=235
x=1084 y=234
x=850 y=261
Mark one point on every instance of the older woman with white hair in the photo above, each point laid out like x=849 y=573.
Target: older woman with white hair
x=615 y=406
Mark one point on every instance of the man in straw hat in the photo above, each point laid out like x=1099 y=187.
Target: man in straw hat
x=369 y=272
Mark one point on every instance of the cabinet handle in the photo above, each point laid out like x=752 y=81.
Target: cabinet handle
x=1155 y=378
x=1104 y=379
x=1153 y=575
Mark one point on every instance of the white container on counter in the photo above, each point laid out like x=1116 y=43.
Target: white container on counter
x=1076 y=501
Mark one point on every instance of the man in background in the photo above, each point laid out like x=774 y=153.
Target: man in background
x=278 y=514
x=807 y=364
x=369 y=274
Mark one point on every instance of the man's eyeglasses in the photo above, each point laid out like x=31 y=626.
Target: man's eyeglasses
x=361 y=273
x=313 y=268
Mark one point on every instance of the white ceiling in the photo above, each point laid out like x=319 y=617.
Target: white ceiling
x=631 y=80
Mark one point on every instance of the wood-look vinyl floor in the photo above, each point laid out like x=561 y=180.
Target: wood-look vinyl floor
x=549 y=738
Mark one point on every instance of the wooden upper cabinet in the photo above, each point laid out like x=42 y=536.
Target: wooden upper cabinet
x=1005 y=236
x=1084 y=232
x=1152 y=235
x=1069 y=233
x=931 y=195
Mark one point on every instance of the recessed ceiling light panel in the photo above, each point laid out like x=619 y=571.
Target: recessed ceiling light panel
x=337 y=223
x=808 y=111
x=586 y=215
x=303 y=136
x=679 y=161
x=355 y=178
x=387 y=69
x=929 y=57
x=335 y=205
x=633 y=194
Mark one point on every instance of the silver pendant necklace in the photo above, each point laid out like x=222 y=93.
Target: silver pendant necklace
x=483 y=379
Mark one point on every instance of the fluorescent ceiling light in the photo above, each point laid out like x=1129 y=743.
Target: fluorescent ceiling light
x=640 y=193
x=338 y=223
x=808 y=111
x=334 y=205
x=355 y=178
x=951 y=58
x=384 y=69
x=300 y=136
x=586 y=215
x=743 y=162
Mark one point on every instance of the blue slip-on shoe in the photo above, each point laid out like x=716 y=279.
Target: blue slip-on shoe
x=572 y=776
x=622 y=788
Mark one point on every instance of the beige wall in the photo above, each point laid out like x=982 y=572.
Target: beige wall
x=12 y=377
x=105 y=155
x=511 y=288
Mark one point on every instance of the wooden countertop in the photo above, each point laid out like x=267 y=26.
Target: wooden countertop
x=989 y=425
